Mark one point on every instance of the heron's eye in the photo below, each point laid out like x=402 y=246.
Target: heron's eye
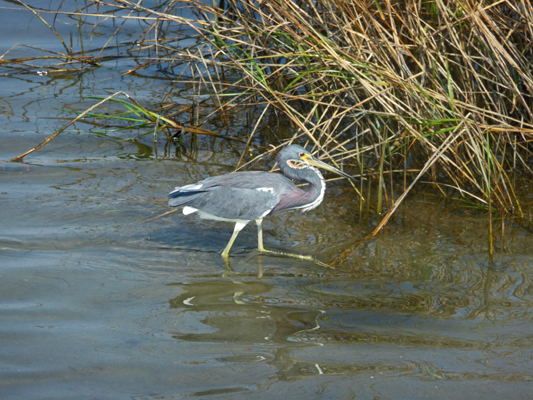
x=301 y=154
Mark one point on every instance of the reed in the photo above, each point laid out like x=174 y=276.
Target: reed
x=438 y=89
x=447 y=78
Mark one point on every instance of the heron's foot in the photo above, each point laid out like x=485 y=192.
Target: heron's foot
x=298 y=256
x=228 y=269
x=225 y=257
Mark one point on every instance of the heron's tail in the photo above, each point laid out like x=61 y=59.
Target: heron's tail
x=182 y=196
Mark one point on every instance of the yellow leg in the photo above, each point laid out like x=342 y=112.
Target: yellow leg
x=262 y=249
x=236 y=230
x=259 y=223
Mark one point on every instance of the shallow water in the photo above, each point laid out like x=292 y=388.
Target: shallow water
x=95 y=304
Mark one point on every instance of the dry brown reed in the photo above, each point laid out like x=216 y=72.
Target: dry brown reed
x=441 y=87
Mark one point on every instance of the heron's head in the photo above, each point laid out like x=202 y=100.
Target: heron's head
x=297 y=163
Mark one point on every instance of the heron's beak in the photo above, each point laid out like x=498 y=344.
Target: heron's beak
x=317 y=163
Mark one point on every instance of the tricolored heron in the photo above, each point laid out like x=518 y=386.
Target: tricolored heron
x=244 y=196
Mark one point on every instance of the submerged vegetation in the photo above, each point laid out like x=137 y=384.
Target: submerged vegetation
x=434 y=91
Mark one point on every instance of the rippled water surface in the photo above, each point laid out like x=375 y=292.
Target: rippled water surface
x=96 y=304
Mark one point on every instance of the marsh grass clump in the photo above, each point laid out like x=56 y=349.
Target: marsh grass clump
x=440 y=86
x=436 y=91
x=444 y=86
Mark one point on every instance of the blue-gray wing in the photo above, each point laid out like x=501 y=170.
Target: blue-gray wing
x=241 y=195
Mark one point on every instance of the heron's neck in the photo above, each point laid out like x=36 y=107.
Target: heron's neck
x=314 y=196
